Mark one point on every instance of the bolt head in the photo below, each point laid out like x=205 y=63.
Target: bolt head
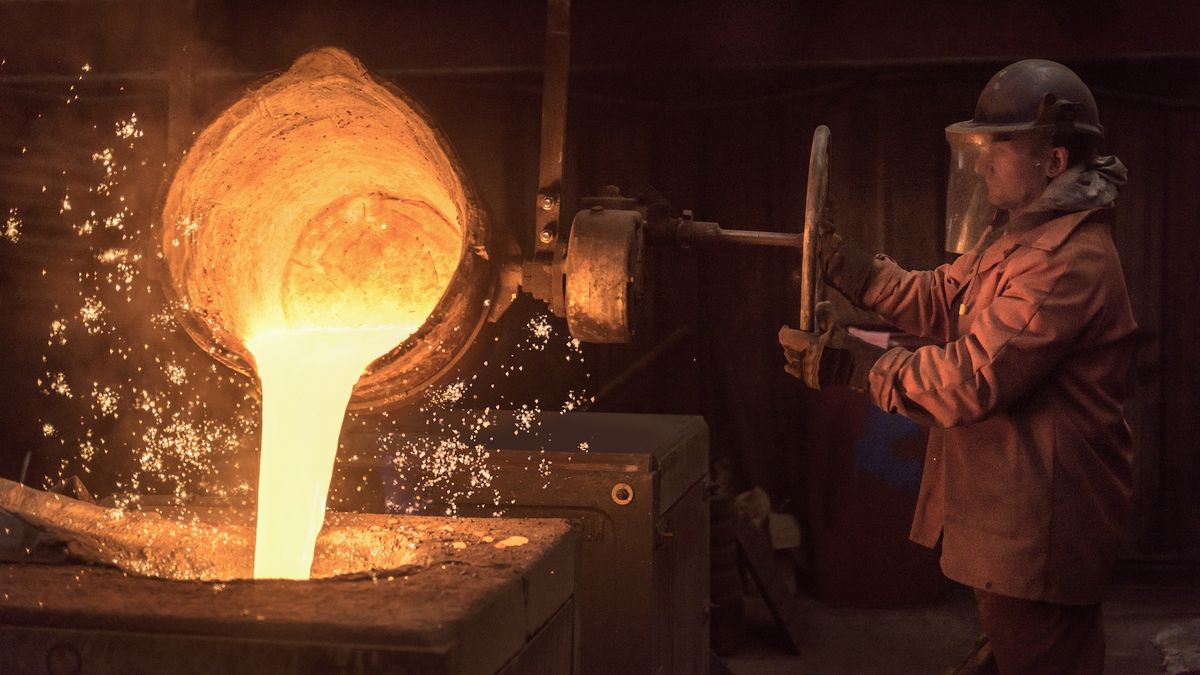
x=622 y=494
x=546 y=236
x=546 y=202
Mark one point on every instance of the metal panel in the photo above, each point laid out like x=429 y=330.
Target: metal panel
x=637 y=495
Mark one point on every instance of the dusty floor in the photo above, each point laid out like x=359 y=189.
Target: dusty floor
x=848 y=641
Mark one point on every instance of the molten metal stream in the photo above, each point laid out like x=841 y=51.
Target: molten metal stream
x=307 y=377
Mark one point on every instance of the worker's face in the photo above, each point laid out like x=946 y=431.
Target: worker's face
x=1015 y=171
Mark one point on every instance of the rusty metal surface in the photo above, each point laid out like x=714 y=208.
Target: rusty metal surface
x=542 y=270
x=554 y=650
x=635 y=487
x=814 y=212
x=616 y=446
x=310 y=136
x=466 y=610
x=756 y=238
x=39 y=650
x=643 y=591
x=554 y=123
x=603 y=274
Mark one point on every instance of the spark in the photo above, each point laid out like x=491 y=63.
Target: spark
x=451 y=393
x=574 y=349
x=87 y=226
x=576 y=400
x=128 y=128
x=92 y=315
x=540 y=331
x=106 y=400
x=163 y=320
x=112 y=255
x=58 y=331
x=105 y=158
x=117 y=220
x=176 y=373
x=183 y=448
x=449 y=464
x=60 y=386
x=12 y=226
x=525 y=418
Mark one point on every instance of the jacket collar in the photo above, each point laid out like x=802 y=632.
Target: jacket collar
x=1052 y=232
x=1043 y=230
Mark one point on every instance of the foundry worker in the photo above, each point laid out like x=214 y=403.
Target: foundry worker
x=1027 y=473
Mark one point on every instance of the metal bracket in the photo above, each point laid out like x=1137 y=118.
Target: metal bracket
x=547 y=213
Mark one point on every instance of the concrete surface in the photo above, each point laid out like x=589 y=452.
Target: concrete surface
x=851 y=641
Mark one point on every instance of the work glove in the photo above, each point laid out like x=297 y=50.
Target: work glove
x=831 y=357
x=844 y=265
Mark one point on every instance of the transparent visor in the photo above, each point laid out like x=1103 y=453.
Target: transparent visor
x=968 y=212
x=969 y=208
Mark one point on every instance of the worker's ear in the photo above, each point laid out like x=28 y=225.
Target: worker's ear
x=1057 y=162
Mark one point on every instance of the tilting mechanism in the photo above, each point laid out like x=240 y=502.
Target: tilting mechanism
x=591 y=272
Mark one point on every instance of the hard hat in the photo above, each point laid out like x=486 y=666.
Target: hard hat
x=1033 y=95
x=1028 y=99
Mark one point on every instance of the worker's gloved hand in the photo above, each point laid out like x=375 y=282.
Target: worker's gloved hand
x=832 y=357
x=844 y=265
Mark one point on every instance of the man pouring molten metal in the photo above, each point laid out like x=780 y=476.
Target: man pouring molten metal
x=1028 y=469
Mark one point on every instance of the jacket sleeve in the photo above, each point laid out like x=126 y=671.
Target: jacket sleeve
x=1012 y=345
x=917 y=302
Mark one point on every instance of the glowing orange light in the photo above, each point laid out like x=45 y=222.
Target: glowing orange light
x=307 y=377
x=315 y=225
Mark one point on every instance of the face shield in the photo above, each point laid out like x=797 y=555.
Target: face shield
x=968 y=212
x=976 y=153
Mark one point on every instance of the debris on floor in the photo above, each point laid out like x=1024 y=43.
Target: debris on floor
x=1180 y=645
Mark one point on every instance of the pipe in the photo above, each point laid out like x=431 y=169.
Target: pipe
x=687 y=231
x=755 y=238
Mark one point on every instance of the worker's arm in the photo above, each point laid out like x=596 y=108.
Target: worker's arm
x=917 y=302
x=1013 y=345
x=832 y=357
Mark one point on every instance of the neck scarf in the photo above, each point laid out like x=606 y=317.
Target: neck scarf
x=1084 y=186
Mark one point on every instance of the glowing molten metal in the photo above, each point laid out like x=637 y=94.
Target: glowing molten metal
x=314 y=225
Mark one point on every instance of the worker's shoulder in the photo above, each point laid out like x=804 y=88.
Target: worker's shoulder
x=1075 y=249
x=1080 y=229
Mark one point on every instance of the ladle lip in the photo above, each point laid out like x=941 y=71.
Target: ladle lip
x=426 y=357
x=431 y=353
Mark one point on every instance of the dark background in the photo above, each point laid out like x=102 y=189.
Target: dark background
x=711 y=103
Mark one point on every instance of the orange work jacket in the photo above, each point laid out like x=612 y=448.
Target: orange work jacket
x=1027 y=476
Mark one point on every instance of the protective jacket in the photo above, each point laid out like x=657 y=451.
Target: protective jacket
x=1028 y=471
